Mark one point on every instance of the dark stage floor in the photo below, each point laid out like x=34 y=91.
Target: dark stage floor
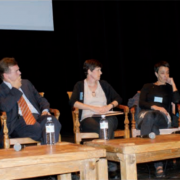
x=145 y=171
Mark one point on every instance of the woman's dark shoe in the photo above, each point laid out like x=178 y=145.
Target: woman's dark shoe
x=113 y=170
x=159 y=172
x=114 y=175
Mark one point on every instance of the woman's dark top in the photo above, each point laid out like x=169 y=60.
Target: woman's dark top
x=161 y=96
x=78 y=94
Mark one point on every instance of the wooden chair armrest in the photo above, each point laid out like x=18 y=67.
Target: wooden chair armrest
x=133 y=122
x=3 y=113
x=55 y=112
x=124 y=108
x=24 y=140
x=133 y=109
x=178 y=106
x=76 y=110
x=3 y=117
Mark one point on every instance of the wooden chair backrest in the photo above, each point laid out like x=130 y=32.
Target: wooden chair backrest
x=75 y=116
x=41 y=93
x=86 y=135
x=69 y=94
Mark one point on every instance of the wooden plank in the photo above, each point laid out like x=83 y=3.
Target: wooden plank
x=46 y=169
x=45 y=154
x=138 y=145
x=88 y=170
x=113 y=156
x=22 y=141
x=150 y=147
x=38 y=170
x=60 y=159
x=157 y=155
x=119 y=133
x=101 y=169
x=64 y=176
x=89 y=135
x=128 y=167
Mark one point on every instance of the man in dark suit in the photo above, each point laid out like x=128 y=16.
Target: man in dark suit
x=11 y=90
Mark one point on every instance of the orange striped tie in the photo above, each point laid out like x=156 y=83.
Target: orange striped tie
x=26 y=113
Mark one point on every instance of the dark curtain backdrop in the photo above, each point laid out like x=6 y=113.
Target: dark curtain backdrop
x=127 y=37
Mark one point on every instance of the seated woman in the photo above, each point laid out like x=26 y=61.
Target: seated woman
x=155 y=103
x=94 y=96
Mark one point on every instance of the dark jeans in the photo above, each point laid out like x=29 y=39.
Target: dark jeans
x=152 y=122
x=36 y=131
x=92 y=125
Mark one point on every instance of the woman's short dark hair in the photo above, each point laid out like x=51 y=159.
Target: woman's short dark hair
x=5 y=63
x=91 y=64
x=159 y=64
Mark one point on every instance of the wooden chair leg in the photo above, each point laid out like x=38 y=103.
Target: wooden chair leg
x=126 y=124
x=133 y=122
x=6 y=136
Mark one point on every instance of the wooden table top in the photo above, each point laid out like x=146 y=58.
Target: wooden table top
x=63 y=151
x=138 y=145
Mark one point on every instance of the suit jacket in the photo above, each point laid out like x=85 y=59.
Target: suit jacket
x=10 y=97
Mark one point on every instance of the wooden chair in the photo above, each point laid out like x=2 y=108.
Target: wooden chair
x=136 y=132
x=11 y=141
x=79 y=136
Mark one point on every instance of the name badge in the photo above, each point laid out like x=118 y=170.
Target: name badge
x=81 y=95
x=158 y=99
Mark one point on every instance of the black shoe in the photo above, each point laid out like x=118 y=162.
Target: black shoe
x=114 y=174
x=159 y=172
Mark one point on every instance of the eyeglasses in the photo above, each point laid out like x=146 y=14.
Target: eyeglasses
x=93 y=94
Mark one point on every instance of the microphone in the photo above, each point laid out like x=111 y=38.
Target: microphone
x=151 y=135
x=18 y=147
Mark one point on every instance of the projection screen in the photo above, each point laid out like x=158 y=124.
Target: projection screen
x=26 y=15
